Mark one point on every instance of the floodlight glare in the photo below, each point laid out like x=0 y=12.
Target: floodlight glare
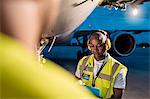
x=135 y=11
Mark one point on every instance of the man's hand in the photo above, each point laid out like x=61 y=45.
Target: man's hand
x=117 y=93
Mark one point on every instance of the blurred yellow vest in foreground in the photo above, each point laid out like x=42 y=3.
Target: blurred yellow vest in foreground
x=23 y=77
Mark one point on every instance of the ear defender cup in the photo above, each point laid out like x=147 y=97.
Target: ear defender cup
x=88 y=45
x=108 y=44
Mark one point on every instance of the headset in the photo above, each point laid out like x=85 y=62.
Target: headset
x=99 y=32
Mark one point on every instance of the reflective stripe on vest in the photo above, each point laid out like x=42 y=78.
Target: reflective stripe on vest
x=109 y=77
x=104 y=76
x=114 y=69
x=83 y=66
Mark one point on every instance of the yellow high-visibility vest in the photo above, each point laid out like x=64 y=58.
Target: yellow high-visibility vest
x=106 y=77
x=22 y=76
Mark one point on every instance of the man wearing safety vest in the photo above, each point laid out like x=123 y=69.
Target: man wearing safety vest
x=100 y=70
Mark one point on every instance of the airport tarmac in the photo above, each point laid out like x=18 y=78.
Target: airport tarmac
x=138 y=77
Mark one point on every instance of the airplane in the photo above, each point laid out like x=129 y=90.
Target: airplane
x=74 y=12
x=101 y=18
x=122 y=31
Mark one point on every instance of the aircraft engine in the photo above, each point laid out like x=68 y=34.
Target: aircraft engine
x=123 y=44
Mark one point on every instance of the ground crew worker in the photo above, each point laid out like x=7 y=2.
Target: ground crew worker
x=22 y=22
x=99 y=69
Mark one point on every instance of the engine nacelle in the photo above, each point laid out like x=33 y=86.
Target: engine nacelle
x=123 y=43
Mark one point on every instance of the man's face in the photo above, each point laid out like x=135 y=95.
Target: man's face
x=97 y=46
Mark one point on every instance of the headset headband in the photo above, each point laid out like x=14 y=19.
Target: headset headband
x=101 y=31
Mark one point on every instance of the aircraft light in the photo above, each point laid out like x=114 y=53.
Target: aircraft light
x=135 y=11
